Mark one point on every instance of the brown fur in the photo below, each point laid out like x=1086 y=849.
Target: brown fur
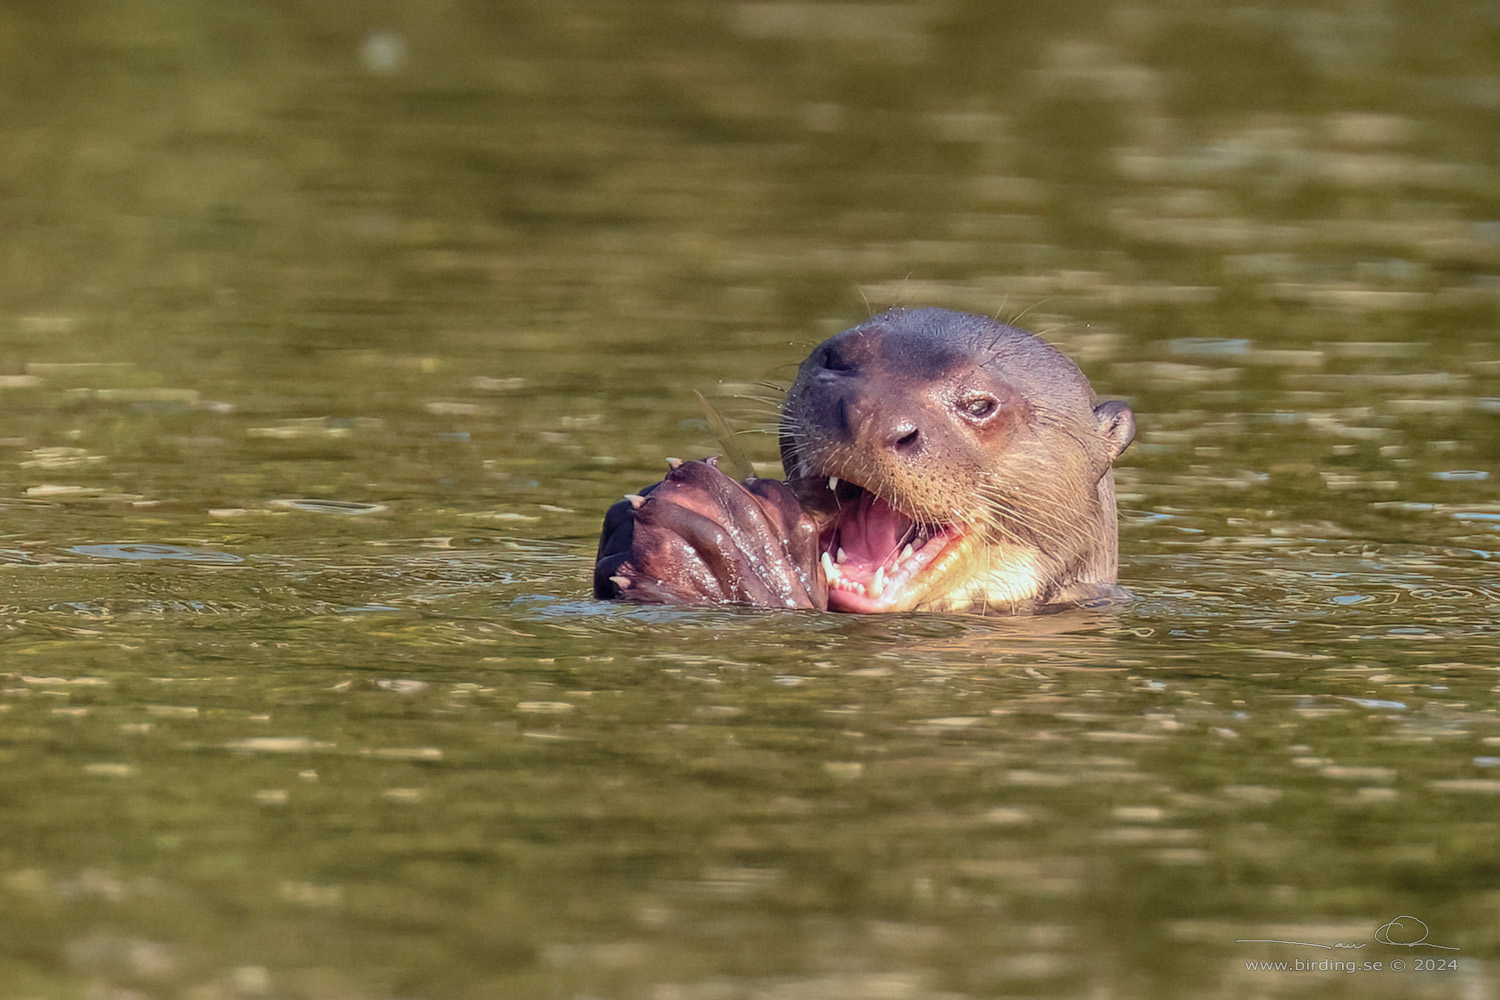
x=955 y=418
x=966 y=464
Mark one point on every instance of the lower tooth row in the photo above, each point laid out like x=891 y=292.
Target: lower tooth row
x=836 y=576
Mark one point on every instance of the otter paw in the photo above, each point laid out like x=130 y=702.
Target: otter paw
x=699 y=537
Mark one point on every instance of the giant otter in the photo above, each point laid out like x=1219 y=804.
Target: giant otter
x=935 y=460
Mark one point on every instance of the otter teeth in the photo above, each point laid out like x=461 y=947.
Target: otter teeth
x=833 y=483
x=891 y=577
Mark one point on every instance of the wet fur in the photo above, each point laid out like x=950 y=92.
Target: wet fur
x=1034 y=486
x=1038 y=493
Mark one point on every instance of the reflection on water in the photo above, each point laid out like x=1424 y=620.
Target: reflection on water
x=184 y=553
x=457 y=272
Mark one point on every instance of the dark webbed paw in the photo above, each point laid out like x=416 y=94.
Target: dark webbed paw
x=699 y=537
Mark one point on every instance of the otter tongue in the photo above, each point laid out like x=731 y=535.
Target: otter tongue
x=872 y=533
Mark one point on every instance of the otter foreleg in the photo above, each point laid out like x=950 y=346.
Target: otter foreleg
x=700 y=537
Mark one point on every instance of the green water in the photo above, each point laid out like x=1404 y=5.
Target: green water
x=329 y=330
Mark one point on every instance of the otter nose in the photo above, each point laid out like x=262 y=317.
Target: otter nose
x=901 y=435
x=879 y=427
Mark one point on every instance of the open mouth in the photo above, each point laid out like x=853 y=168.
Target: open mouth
x=878 y=559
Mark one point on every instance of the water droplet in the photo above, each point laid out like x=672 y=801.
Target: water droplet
x=383 y=52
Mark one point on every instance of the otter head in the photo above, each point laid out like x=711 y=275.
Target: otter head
x=953 y=463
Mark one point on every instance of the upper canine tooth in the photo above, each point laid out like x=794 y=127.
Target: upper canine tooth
x=833 y=482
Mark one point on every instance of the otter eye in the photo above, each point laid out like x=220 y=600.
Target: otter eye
x=979 y=407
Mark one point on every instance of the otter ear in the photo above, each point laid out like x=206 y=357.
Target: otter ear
x=1116 y=426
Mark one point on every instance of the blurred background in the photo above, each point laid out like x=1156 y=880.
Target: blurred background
x=329 y=329
x=353 y=209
